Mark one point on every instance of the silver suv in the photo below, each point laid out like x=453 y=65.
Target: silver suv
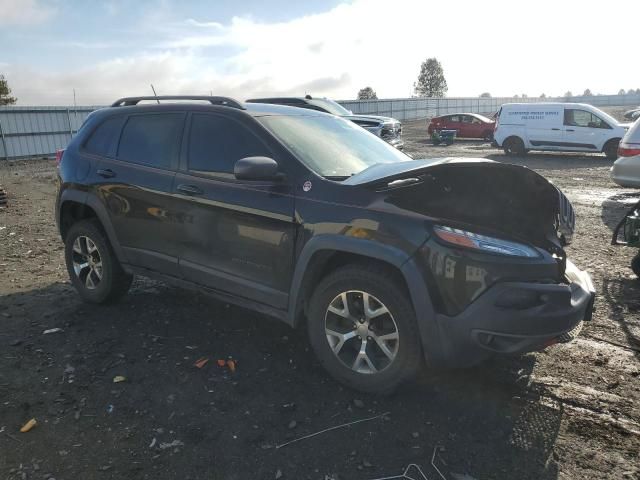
x=389 y=129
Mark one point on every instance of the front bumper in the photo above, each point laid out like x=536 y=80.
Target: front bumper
x=513 y=318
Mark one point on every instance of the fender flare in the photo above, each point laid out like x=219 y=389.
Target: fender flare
x=403 y=261
x=91 y=201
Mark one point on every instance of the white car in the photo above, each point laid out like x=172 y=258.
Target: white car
x=562 y=127
x=626 y=170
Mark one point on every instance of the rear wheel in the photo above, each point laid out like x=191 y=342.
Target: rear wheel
x=514 y=146
x=611 y=149
x=635 y=265
x=363 y=330
x=93 y=268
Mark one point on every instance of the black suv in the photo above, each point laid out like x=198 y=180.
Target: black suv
x=306 y=217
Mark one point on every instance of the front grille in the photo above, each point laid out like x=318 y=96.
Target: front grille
x=391 y=131
x=566 y=218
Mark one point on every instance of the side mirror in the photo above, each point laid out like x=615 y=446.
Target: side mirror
x=256 y=168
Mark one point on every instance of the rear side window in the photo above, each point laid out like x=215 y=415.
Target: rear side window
x=151 y=139
x=216 y=143
x=454 y=119
x=103 y=139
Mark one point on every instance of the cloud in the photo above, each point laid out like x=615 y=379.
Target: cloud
x=332 y=53
x=24 y=12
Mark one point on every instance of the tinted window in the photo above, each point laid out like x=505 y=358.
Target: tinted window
x=103 y=138
x=151 y=139
x=583 y=118
x=454 y=119
x=216 y=143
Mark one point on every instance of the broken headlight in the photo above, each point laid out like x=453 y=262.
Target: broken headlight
x=483 y=243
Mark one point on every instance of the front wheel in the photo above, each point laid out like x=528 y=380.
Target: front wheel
x=362 y=328
x=93 y=267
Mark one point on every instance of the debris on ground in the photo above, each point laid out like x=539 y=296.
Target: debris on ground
x=52 y=330
x=232 y=365
x=332 y=428
x=3 y=198
x=358 y=403
x=174 y=444
x=28 y=426
x=201 y=362
x=119 y=379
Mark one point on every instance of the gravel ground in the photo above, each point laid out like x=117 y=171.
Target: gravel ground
x=572 y=411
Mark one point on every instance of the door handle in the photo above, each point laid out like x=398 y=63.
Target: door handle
x=569 y=130
x=106 y=173
x=555 y=129
x=189 y=189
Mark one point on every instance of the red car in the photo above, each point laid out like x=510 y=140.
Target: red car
x=467 y=125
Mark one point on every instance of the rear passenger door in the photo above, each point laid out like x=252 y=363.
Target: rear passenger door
x=240 y=234
x=453 y=122
x=135 y=186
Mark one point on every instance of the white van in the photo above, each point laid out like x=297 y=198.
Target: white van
x=562 y=127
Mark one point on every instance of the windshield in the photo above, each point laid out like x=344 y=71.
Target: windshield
x=330 y=106
x=332 y=147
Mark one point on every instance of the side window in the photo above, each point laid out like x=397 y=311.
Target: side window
x=103 y=139
x=151 y=139
x=216 y=143
x=582 y=118
x=467 y=119
x=454 y=119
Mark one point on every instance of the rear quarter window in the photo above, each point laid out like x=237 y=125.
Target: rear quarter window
x=102 y=141
x=152 y=139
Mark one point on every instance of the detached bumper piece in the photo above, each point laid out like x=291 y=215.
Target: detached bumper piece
x=518 y=317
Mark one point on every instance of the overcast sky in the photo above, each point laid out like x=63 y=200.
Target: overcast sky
x=246 y=48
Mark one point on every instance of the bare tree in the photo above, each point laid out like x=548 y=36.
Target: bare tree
x=568 y=94
x=587 y=93
x=485 y=95
x=621 y=92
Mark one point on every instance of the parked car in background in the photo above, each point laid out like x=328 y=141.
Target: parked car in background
x=466 y=125
x=632 y=114
x=386 y=261
x=389 y=129
x=560 y=127
x=626 y=170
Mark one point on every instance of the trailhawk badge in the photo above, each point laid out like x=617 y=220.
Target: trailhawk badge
x=306 y=186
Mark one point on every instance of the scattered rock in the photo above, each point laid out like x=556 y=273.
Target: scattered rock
x=278 y=474
x=415 y=434
x=293 y=424
x=358 y=403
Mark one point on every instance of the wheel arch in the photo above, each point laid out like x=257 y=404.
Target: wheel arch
x=75 y=205
x=323 y=254
x=616 y=140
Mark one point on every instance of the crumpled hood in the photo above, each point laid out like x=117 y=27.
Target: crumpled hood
x=370 y=118
x=494 y=197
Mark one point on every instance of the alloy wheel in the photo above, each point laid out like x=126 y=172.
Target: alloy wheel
x=87 y=262
x=361 y=332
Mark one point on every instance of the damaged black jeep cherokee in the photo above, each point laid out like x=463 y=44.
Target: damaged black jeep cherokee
x=304 y=216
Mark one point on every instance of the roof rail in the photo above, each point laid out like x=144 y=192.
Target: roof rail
x=225 y=101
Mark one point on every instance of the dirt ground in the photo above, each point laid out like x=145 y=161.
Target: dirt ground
x=570 y=412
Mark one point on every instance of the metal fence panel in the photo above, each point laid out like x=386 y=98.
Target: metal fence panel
x=40 y=131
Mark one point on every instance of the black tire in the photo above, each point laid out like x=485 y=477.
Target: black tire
x=385 y=289
x=611 y=149
x=102 y=270
x=488 y=136
x=635 y=265
x=514 y=146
